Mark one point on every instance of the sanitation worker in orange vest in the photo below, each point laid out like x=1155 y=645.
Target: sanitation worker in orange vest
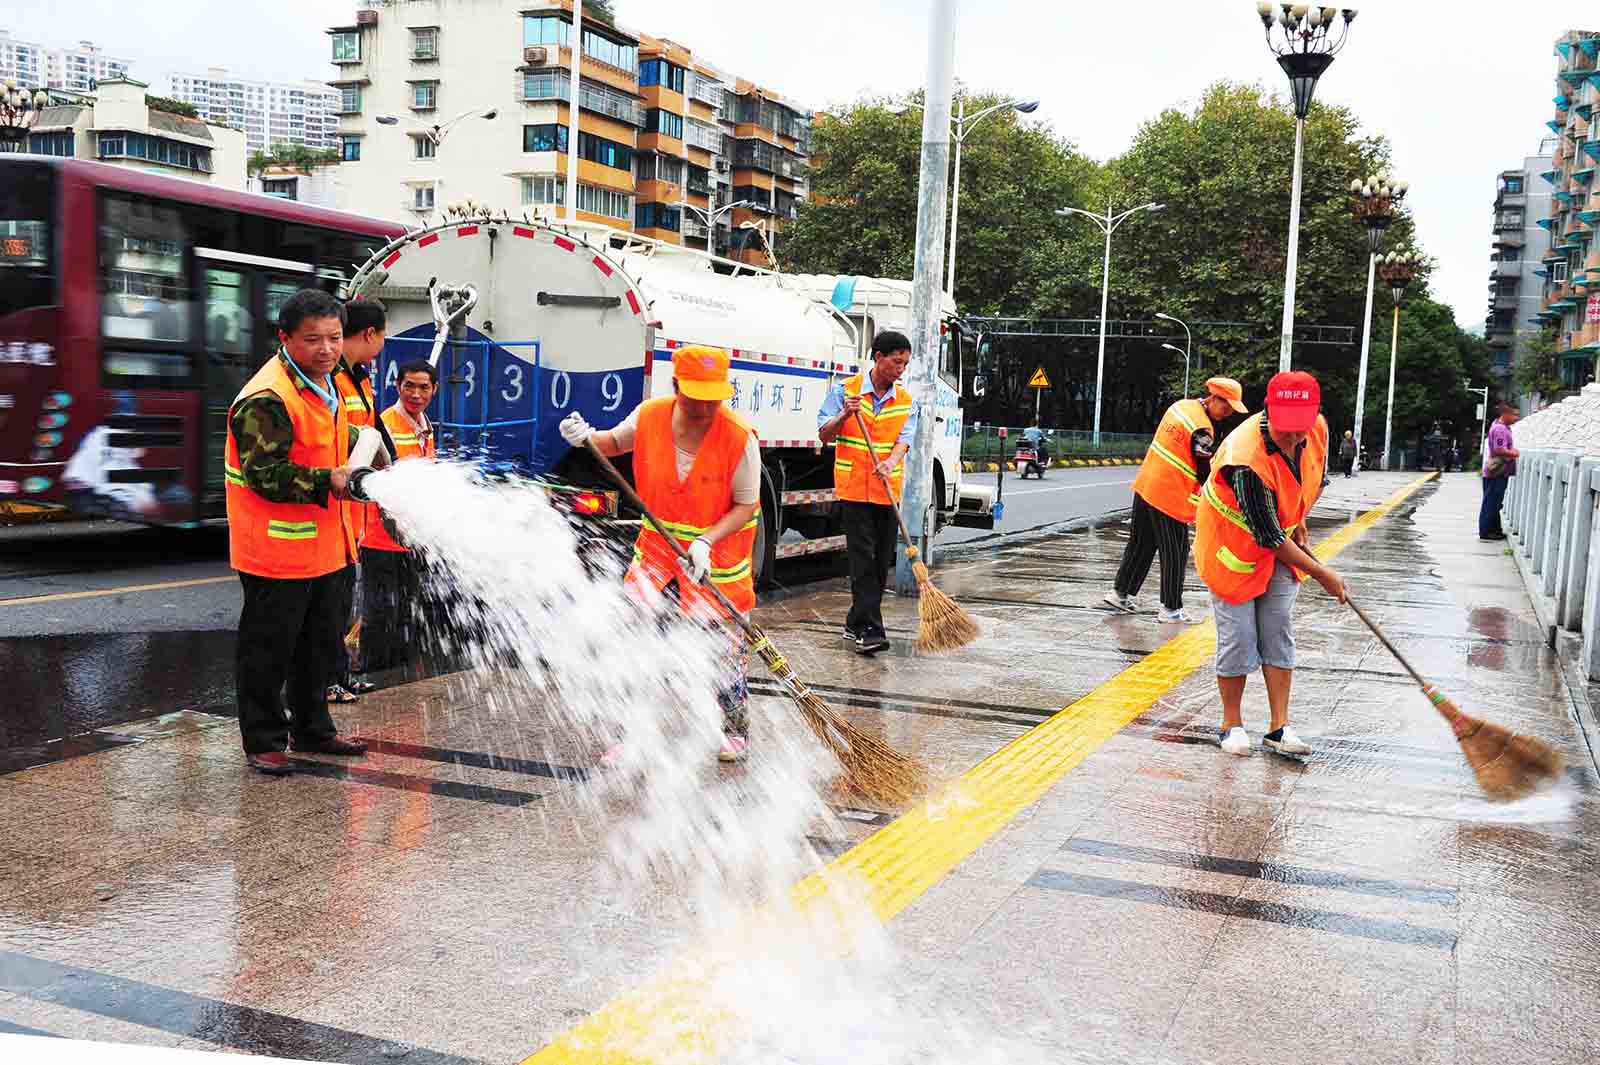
x=1165 y=493
x=890 y=414
x=697 y=466
x=1252 y=550
x=285 y=467
x=365 y=322
x=391 y=583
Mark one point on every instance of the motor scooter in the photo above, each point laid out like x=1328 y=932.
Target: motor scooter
x=1030 y=459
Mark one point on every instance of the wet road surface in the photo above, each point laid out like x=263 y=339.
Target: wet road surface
x=1106 y=886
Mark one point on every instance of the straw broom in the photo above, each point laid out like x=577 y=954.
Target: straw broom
x=943 y=625
x=1508 y=765
x=871 y=766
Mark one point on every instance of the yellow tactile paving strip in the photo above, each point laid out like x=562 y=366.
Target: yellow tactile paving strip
x=900 y=862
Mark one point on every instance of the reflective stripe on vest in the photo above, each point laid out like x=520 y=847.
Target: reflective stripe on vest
x=288 y=540
x=1167 y=479
x=407 y=446
x=855 y=458
x=687 y=508
x=1226 y=554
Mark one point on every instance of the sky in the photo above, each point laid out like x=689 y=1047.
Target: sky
x=1461 y=90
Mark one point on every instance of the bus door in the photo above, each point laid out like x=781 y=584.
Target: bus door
x=243 y=295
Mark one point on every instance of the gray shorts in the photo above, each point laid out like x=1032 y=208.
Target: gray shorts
x=1260 y=632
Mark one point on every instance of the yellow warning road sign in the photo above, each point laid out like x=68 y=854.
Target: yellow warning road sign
x=1039 y=380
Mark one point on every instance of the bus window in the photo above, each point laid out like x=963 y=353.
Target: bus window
x=144 y=282
x=27 y=251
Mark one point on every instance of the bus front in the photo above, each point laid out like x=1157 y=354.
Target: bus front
x=35 y=403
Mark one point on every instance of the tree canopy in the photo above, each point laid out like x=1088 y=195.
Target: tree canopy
x=295 y=155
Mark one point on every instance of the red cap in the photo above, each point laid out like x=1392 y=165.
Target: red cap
x=1293 y=398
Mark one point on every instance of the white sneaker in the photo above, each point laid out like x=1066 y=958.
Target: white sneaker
x=1174 y=617
x=1237 y=741
x=1123 y=603
x=1288 y=742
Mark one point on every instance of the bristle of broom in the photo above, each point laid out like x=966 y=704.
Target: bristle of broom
x=944 y=625
x=1508 y=765
x=352 y=639
x=871 y=766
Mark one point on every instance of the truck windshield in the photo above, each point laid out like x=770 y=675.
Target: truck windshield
x=27 y=236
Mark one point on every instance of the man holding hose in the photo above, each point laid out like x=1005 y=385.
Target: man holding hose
x=697 y=467
x=1252 y=550
x=860 y=467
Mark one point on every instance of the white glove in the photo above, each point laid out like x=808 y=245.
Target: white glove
x=576 y=431
x=699 y=562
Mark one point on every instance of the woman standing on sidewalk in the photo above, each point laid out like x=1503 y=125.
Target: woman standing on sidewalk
x=1251 y=550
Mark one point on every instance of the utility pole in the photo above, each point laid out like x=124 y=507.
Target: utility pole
x=576 y=43
x=927 y=289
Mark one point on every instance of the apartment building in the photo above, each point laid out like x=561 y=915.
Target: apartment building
x=449 y=101
x=115 y=125
x=1571 y=268
x=37 y=65
x=269 y=112
x=1516 y=281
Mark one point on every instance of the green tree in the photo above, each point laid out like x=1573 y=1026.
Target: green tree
x=600 y=9
x=862 y=215
x=1539 y=363
x=295 y=155
x=171 y=106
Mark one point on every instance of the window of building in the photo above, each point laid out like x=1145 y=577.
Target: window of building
x=653 y=167
x=546 y=137
x=545 y=85
x=1509 y=219
x=557 y=30
x=156 y=150
x=657 y=120
x=350 y=100
x=761 y=198
x=602 y=151
x=545 y=29
x=543 y=190
x=58 y=143
x=1513 y=184
x=1558 y=272
x=425 y=43
x=423 y=148
x=347 y=47
x=283 y=188
x=1510 y=255
x=425 y=96
x=422 y=198
x=662 y=73
x=605 y=202
x=656 y=216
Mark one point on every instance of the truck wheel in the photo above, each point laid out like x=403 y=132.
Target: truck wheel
x=763 y=555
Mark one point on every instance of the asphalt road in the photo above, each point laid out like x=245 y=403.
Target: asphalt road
x=103 y=623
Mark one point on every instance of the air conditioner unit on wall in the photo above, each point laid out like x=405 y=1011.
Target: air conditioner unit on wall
x=536 y=54
x=366 y=18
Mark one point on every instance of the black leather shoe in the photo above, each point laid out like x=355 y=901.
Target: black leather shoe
x=349 y=748
x=872 y=643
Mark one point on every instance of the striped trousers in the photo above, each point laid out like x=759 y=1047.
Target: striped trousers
x=1154 y=531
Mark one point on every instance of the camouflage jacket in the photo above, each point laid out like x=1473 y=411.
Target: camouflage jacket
x=263 y=432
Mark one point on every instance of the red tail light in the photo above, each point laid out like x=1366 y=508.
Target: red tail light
x=588 y=503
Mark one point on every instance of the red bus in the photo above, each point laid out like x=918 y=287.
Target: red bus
x=133 y=307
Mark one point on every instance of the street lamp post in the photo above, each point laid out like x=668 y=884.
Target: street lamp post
x=712 y=216
x=1108 y=223
x=436 y=132
x=1376 y=203
x=1185 y=353
x=19 y=110
x=963 y=126
x=1397 y=269
x=1304 y=50
x=1483 y=439
x=1188 y=342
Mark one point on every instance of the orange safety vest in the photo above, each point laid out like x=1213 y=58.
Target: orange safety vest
x=689 y=507
x=407 y=445
x=360 y=406
x=1232 y=564
x=854 y=458
x=289 y=540
x=1167 y=478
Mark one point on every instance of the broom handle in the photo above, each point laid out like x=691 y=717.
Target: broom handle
x=888 y=490
x=633 y=497
x=1362 y=614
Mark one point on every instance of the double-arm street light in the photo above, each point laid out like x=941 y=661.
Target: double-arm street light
x=1305 y=49
x=960 y=127
x=1397 y=269
x=711 y=217
x=19 y=110
x=1376 y=203
x=437 y=131
x=1108 y=223
x=1188 y=342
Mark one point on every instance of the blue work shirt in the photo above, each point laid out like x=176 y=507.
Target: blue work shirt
x=833 y=403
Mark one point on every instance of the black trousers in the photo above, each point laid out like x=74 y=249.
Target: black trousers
x=870 y=530
x=1154 y=531
x=288 y=630
x=342 y=673
x=1349 y=463
x=390 y=609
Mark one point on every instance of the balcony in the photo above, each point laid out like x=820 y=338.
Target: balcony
x=542 y=85
x=1509 y=271
x=694 y=229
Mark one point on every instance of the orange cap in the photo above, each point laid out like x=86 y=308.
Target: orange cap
x=702 y=372
x=1229 y=389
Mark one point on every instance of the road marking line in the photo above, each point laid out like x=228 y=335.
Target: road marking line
x=126 y=589
x=896 y=865
x=1065 y=488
